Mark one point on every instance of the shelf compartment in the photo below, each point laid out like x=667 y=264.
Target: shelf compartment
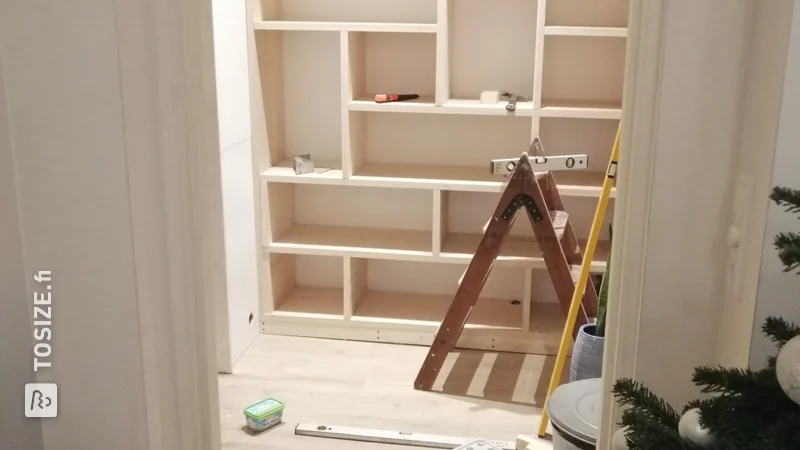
x=402 y=148
x=587 y=13
x=349 y=221
x=391 y=63
x=492 y=47
x=420 y=293
x=364 y=11
x=583 y=72
x=297 y=92
x=464 y=215
x=307 y=286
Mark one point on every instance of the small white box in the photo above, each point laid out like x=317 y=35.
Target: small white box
x=490 y=97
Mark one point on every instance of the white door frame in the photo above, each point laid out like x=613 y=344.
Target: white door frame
x=166 y=58
x=176 y=319
x=639 y=127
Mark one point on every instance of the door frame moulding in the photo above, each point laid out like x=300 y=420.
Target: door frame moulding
x=169 y=116
x=640 y=127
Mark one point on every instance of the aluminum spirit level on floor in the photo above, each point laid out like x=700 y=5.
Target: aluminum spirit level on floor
x=390 y=437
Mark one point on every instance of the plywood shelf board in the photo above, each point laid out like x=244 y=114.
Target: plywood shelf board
x=618 y=32
x=374 y=27
x=352 y=241
x=588 y=109
x=405 y=245
x=517 y=250
x=418 y=176
x=370 y=245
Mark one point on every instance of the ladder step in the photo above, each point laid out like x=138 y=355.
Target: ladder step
x=560 y=220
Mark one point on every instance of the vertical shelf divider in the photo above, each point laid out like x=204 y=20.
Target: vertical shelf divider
x=355 y=284
x=353 y=75
x=345 y=49
x=440 y=224
x=538 y=65
x=526 y=299
x=443 y=33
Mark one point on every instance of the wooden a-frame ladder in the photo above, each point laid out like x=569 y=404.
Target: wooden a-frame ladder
x=536 y=193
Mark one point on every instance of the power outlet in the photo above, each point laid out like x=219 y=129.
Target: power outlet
x=740 y=222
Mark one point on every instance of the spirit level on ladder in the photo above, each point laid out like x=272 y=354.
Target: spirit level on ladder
x=536 y=193
x=574 y=314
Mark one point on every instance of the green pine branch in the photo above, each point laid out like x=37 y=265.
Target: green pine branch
x=788 y=246
x=779 y=330
x=632 y=393
x=786 y=197
x=722 y=379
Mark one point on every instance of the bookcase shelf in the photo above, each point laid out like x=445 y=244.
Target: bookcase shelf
x=372 y=243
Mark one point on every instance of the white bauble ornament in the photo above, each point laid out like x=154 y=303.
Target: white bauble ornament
x=689 y=428
x=787 y=368
x=618 y=441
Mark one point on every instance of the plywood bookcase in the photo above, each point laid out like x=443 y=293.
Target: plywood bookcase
x=371 y=245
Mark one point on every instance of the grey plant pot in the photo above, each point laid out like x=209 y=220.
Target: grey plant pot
x=587 y=355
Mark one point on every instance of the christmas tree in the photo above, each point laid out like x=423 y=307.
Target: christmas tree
x=746 y=409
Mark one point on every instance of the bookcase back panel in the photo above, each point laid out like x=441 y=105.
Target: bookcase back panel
x=311 y=102
x=583 y=68
x=401 y=209
x=492 y=47
x=580 y=136
x=319 y=271
x=389 y=11
x=444 y=140
x=587 y=13
x=400 y=63
x=442 y=279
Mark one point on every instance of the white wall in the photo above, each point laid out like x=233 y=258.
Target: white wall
x=65 y=119
x=766 y=64
x=778 y=291
x=235 y=331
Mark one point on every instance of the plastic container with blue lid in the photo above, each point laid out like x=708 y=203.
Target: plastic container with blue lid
x=264 y=415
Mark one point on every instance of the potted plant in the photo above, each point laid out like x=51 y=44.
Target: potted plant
x=587 y=354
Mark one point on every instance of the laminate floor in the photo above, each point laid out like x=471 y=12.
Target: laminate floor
x=369 y=385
